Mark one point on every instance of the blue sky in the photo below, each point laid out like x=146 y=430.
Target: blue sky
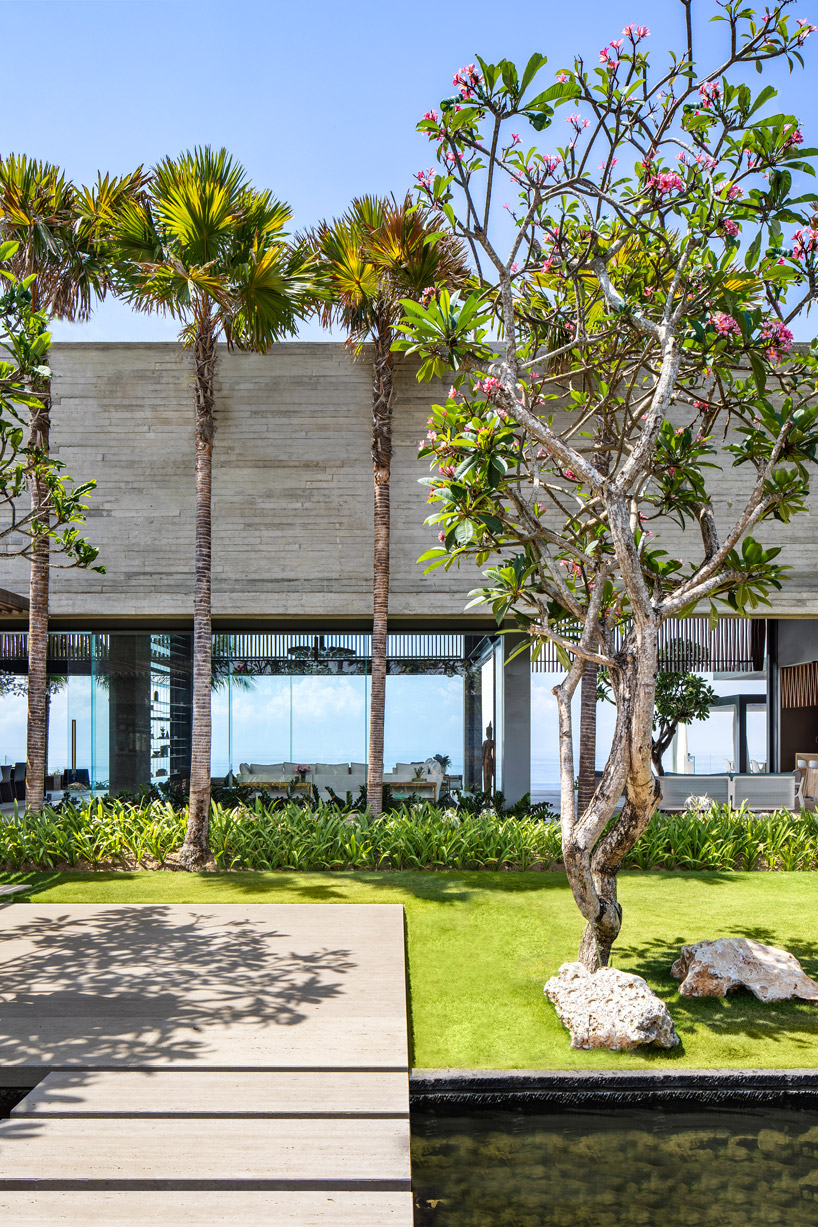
x=319 y=100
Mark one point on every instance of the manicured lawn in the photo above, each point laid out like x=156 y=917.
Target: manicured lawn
x=481 y=945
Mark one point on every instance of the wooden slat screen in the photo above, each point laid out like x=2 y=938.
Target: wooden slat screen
x=799 y=685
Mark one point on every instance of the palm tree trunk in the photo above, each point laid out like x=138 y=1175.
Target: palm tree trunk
x=37 y=723
x=381 y=464
x=586 y=780
x=195 y=851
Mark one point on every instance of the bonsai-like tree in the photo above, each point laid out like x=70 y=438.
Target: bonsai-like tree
x=642 y=302
x=380 y=252
x=204 y=246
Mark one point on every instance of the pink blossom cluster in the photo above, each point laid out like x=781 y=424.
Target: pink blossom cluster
x=577 y=121
x=780 y=338
x=709 y=93
x=805 y=29
x=489 y=386
x=635 y=33
x=804 y=242
x=701 y=405
x=667 y=181
x=734 y=191
x=609 y=55
x=433 y=115
x=729 y=227
x=794 y=137
x=427 y=295
x=446 y=469
x=706 y=162
x=426 y=177
x=466 y=79
x=724 y=324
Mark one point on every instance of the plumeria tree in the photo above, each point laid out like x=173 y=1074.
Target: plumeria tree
x=638 y=265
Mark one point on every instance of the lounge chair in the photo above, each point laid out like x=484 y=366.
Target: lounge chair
x=676 y=788
x=780 y=790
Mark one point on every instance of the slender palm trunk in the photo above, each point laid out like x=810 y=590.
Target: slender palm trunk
x=381 y=464
x=37 y=724
x=586 y=779
x=195 y=851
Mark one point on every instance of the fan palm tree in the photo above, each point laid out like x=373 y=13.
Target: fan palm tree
x=39 y=210
x=205 y=247
x=380 y=252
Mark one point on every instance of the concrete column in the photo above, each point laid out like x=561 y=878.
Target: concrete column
x=129 y=711
x=513 y=681
x=472 y=723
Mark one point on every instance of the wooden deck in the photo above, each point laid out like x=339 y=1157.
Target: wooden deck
x=224 y=1064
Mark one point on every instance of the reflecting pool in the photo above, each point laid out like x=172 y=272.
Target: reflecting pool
x=621 y=1168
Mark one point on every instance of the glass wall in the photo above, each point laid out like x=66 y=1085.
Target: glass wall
x=120 y=705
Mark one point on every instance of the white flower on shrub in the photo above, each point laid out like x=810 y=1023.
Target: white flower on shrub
x=699 y=804
x=451 y=817
x=487 y=813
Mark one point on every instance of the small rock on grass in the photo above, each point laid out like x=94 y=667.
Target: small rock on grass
x=609 y=1009
x=715 y=968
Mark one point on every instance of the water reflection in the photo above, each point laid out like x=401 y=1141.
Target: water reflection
x=618 y=1169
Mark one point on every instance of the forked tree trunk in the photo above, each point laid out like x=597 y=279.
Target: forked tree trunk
x=586 y=776
x=593 y=859
x=37 y=723
x=381 y=465
x=195 y=851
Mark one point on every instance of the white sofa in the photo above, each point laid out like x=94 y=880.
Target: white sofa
x=757 y=791
x=342 y=777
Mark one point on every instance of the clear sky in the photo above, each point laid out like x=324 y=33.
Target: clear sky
x=318 y=99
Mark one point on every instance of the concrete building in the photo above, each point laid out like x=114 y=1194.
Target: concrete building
x=292 y=572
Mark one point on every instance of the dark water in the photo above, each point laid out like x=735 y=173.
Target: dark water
x=623 y=1168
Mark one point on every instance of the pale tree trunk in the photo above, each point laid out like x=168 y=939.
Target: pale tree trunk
x=37 y=724
x=592 y=861
x=195 y=851
x=381 y=465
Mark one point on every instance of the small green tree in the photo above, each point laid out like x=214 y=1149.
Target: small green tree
x=632 y=330
x=202 y=245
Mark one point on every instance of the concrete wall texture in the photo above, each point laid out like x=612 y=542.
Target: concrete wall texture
x=292 y=488
x=292 y=503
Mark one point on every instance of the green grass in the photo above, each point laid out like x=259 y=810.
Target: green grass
x=481 y=946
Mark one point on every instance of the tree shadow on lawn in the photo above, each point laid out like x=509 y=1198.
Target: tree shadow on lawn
x=438 y=886
x=739 y=1013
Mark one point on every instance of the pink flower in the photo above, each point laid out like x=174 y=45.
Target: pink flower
x=710 y=92
x=427 y=295
x=430 y=436
x=502 y=415
x=446 y=469
x=794 y=137
x=431 y=115
x=562 y=77
x=804 y=243
x=724 y=324
x=515 y=136
x=667 y=181
x=706 y=161
x=466 y=79
x=642 y=32
x=734 y=191
x=453 y=392
x=616 y=43
x=441 y=536
x=603 y=55
x=729 y=227
x=700 y=405
x=426 y=177
x=780 y=337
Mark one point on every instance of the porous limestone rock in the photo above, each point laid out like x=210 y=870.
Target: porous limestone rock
x=714 y=968
x=609 y=1009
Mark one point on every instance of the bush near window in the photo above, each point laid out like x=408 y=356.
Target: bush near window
x=285 y=835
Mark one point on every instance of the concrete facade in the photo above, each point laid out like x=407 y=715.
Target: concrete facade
x=292 y=489
x=292 y=493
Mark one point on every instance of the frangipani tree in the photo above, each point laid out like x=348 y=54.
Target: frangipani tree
x=642 y=291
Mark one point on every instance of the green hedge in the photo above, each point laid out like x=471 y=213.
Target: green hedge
x=106 y=834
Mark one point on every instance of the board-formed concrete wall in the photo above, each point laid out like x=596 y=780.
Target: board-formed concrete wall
x=292 y=492
x=292 y=487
